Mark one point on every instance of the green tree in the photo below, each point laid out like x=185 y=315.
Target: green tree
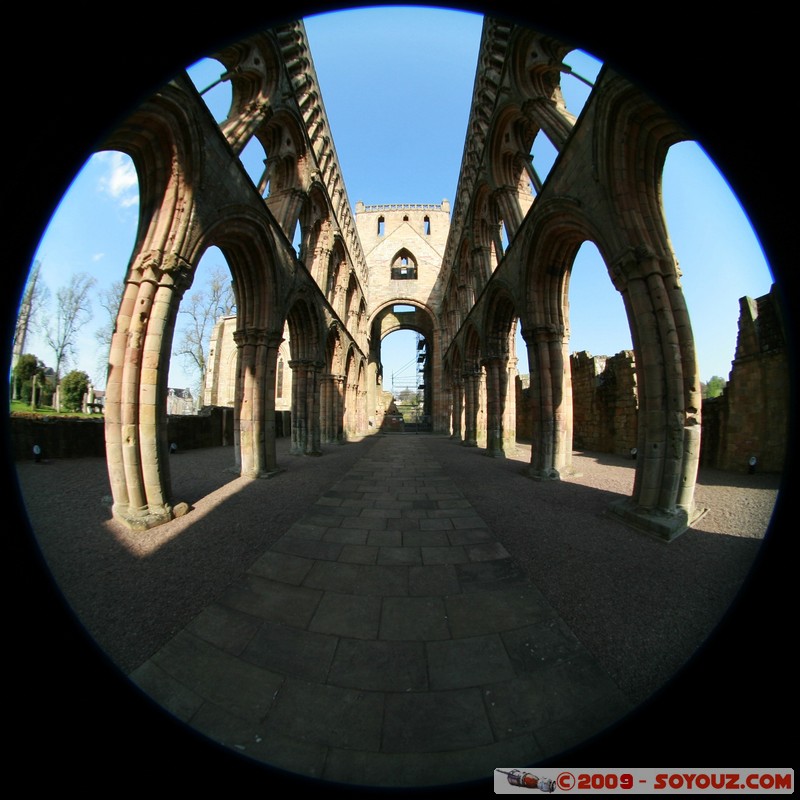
x=27 y=366
x=72 y=388
x=714 y=387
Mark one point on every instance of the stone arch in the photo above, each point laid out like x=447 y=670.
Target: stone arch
x=454 y=376
x=167 y=159
x=500 y=365
x=450 y=316
x=283 y=141
x=510 y=169
x=486 y=236
x=469 y=282
x=351 y=393
x=404 y=265
x=361 y=331
x=472 y=376
x=645 y=270
x=283 y=379
x=333 y=387
x=560 y=230
x=252 y=69
x=337 y=277
x=362 y=422
x=249 y=251
x=536 y=70
x=305 y=325
x=316 y=230
x=385 y=319
x=352 y=299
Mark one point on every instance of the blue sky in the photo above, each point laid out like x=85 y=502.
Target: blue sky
x=397 y=85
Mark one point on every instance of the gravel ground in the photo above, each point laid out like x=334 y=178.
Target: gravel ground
x=641 y=606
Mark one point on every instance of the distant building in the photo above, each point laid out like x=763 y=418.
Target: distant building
x=220 y=383
x=180 y=402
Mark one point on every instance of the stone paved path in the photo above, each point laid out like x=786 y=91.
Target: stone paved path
x=387 y=639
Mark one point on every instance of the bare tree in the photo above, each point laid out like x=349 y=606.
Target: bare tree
x=109 y=300
x=201 y=310
x=73 y=311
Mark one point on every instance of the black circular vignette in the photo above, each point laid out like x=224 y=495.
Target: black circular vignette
x=70 y=82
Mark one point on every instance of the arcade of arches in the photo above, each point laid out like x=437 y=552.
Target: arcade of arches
x=312 y=317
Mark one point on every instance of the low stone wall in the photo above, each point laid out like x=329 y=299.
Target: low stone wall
x=57 y=437
x=75 y=437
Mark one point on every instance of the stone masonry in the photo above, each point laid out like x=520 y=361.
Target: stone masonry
x=465 y=276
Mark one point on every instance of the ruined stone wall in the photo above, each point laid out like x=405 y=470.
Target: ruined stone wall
x=524 y=414
x=751 y=418
x=604 y=402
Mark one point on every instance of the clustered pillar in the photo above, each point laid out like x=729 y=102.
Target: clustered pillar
x=136 y=425
x=496 y=390
x=305 y=408
x=258 y=355
x=551 y=450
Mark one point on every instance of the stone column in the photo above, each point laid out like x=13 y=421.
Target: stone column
x=480 y=419
x=471 y=386
x=507 y=199
x=338 y=407
x=136 y=415
x=326 y=408
x=496 y=387
x=510 y=406
x=313 y=446
x=299 y=407
x=668 y=389
x=551 y=450
x=257 y=358
x=457 y=410
x=268 y=355
x=556 y=123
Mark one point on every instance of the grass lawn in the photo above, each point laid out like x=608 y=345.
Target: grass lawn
x=18 y=407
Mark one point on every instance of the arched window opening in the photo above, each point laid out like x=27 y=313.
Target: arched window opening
x=590 y=289
x=404 y=267
x=427 y=225
x=579 y=73
x=279 y=379
x=254 y=161
x=381 y=226
x=297 y=236
x=207 y=75
x=203 y=349
x=399 y=358
x=543 y=155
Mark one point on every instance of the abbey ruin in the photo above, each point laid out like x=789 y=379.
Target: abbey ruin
x=465 y=275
